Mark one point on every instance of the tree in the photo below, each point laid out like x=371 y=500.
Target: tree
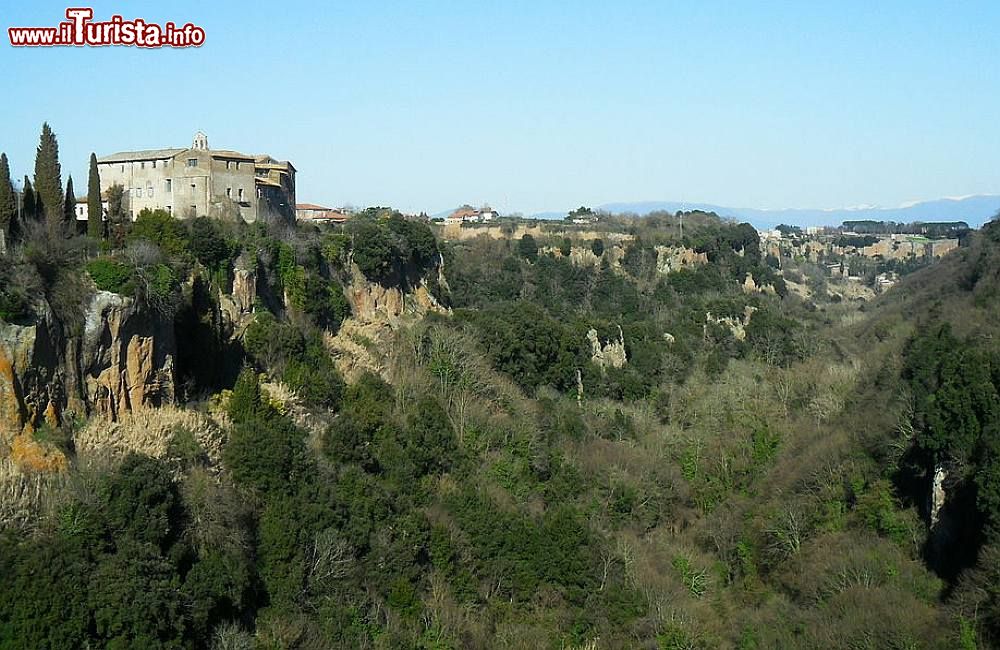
x=48 y=178
x=8 y=203
x=160 y=228
x=69 y=205
x=528 y=248
x=597 y=246
x=95 y=211
x=29 y=206
x=117 y=215
x=208 y=244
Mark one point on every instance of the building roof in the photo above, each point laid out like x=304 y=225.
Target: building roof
x=310 y=206
x=226 y=153
x=264 y=160
x=336 y=215
x=145 y=154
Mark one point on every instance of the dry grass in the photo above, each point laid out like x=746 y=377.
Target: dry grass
x=24 y=495
x=148 y=431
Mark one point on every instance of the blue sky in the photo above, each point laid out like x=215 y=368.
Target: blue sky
x=538 y=106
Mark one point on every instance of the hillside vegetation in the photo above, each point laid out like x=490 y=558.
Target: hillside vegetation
x=586 y=444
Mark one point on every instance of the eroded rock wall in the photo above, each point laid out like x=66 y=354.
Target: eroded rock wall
x=124 y=360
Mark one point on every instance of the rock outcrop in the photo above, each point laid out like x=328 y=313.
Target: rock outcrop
x=237 y=307
x=377 y=310
x=32 y=374
x=938 y=495
x=611 y=353
x=675 y=258
x=123 y=360
x=751 y=287
x=127 y=357
x=584 y=256
x=736 y=326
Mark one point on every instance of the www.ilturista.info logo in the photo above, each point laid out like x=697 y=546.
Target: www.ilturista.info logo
x=79 y=30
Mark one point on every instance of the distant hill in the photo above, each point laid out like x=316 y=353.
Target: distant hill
x=976 y=210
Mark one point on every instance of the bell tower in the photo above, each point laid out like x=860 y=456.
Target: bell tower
x=200 y=141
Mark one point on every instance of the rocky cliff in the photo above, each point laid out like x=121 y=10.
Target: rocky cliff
x=377 y=310
x=123 y=360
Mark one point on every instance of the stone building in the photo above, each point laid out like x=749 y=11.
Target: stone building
x=201 y=181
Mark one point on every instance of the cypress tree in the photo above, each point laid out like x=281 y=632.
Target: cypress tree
x=48 y=179
x=69 y=207
x=95 y=222
x=8 y=202
x=29 y=206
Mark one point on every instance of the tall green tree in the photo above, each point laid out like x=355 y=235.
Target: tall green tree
x=95 y=211
x=48 y=178
x=8 y=202
x=118 y=225
x=69 y=205
x=29 y=204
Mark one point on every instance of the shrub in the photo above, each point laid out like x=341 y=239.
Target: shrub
x=207 y=243
x=160 y=228
x=111 y=275
x=374 y=252
x=527 y=248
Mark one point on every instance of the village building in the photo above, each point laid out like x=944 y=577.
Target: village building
x=82 y=212
x=200 y=181
x=468 y=214
x=312 y=213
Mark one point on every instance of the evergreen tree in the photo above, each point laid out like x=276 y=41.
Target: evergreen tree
x=95 y=223
x=117 y=215
x=48 y=179
x=69 y=206
x=8 y=202
x=29 y=206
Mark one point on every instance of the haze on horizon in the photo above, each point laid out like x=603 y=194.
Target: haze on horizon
x=543 y=106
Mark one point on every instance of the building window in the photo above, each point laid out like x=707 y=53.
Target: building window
x=241 y=195
x=193 y=189
x=154 y=164
x=170 y=209
x=149 y=189
x=237 y=165
x=142 y=165
x=229 y=192
x=123 y=169
x=169 y=183
x=192 y=162
x=194 y=210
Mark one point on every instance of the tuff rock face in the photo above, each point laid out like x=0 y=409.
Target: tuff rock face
x=675 y=258
x=376 y=311
x=611 y=353
x=127 y=357
x=123 y=361
x=751 y=287
x=938 y=495
x=237 y=308
x=32 y=374
x=736 y=326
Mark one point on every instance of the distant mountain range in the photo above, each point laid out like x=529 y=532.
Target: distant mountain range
x=975 y=210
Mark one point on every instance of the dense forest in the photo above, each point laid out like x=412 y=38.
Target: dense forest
x=577 y=445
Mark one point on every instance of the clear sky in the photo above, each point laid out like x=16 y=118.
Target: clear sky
x=539 y=105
